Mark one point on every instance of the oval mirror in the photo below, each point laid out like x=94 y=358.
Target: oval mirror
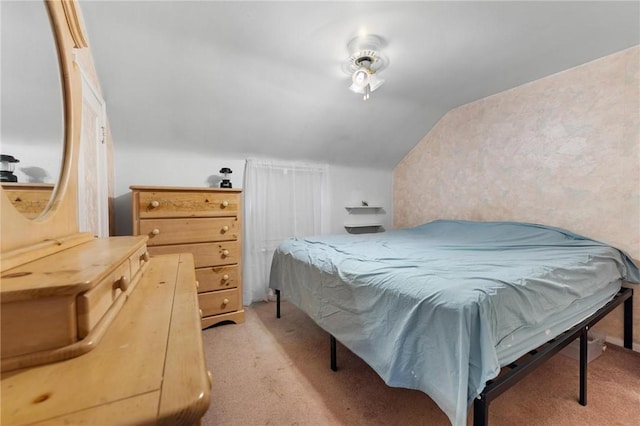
x=32 y=107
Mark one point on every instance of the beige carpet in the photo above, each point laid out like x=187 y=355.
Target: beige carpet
x=276 y=372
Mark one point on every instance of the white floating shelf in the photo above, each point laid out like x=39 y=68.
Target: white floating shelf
x=349 y=208
x=363 y=225
x=367 y=228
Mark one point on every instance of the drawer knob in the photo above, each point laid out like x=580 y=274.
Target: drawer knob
x=154 y=204
x=225 y=277
x=210 y=379
x=225 y=228
x=200 y=310
x=145 y=257
x=197 y=284
x=225 y=203
x=123 y=283
x=225 y=253
x=225 y=301
x=155 y=231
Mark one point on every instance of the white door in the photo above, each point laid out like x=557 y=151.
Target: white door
x=93 y=178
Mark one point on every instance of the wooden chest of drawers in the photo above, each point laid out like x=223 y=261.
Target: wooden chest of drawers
x=207 y=223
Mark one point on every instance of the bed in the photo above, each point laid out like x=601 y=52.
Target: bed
x=444 y=306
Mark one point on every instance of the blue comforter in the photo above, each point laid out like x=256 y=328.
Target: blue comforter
x=442 y=306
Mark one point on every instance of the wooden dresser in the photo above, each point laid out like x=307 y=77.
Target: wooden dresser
x=207 y=223
x=30 y=199
x=146 y=367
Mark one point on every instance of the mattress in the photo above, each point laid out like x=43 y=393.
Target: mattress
x=442 y=306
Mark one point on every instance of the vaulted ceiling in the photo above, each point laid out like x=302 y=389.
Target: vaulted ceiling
x=237 y=78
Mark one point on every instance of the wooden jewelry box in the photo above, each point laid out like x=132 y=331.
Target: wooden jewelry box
x=59 y=306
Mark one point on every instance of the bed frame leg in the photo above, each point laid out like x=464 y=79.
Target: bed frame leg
x=277 y=303
x=583 y=366
x=628 y=322
x=334 y=364
x=480 y=411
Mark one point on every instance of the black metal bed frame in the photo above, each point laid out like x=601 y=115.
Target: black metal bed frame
x=514 y=372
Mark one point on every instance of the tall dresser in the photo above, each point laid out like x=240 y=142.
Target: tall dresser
x=207 y=223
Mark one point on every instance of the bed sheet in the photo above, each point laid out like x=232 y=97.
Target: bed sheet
x=442 y=306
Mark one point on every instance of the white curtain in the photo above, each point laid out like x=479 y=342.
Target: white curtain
x=281 y=200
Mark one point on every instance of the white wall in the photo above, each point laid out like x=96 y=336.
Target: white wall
x=159 y=167
x=39 y=161
x=347 y=185
x=350 y=186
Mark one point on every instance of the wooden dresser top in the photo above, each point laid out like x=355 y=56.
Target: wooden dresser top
x=70 y=271
x=148 y=369
x=182 y=188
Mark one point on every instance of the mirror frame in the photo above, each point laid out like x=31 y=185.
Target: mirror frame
x=23 y=240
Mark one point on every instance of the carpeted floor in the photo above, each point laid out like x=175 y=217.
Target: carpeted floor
x=276 y=372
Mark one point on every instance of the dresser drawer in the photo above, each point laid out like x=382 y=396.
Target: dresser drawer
x=31 y=326
x=189 y=230
x=93 y=304
x=205 y=254
x=218 y=302
x=217 y=278
x=187 y=204
x=138 y=260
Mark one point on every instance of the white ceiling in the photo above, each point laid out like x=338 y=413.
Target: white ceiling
x=237 y=78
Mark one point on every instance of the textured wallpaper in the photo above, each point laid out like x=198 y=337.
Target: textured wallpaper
x=563 y=150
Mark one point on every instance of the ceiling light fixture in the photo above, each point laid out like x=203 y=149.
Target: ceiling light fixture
x=363 y=64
